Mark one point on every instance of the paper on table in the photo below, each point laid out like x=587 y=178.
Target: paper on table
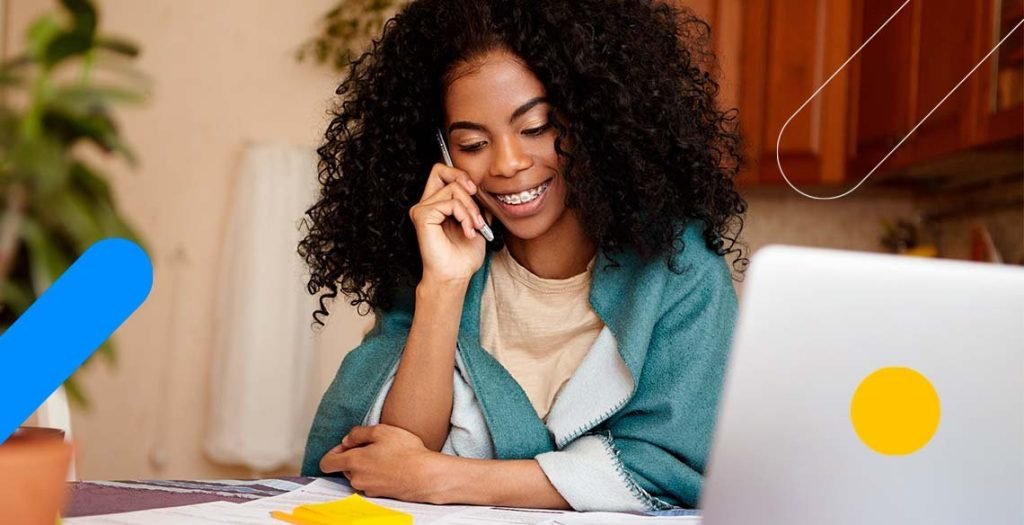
x=258 y=511
x=201 y=514
x=614 y=518
x=254 y=512
x=424 y=514
x=322 y=490
x=489 y=515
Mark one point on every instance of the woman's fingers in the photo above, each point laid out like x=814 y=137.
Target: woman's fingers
x=444 y=184
x=438 y=212
x=434 y=182
x=359 y=435
x=441 y=175
x=459 y=211
x=468 y=212
x=455 y=190
x=336 y=461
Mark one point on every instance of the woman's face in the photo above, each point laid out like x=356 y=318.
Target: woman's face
x=498 y=132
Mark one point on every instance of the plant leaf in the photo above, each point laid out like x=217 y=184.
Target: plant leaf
x=75 y=394
x=108 y=351
x=64 y=46
x=8 y=129
x=118 y=45
x=77 y=218
x=101 y=200
x=9 y=78
x=89 y=181
x=70 y=126
x=83 y=16
x=41 y=161
x=46 y=260
x=83 y=99
x=40 y=34
x=17 y=296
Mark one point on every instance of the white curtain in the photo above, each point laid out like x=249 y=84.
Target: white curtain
x=264 y=345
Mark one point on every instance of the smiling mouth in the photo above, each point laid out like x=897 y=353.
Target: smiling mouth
x=523 y=197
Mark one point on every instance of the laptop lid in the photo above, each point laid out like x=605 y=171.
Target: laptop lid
x=866 y=388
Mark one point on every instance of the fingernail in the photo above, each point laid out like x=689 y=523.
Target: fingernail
x=471 y=185
x=480 y=220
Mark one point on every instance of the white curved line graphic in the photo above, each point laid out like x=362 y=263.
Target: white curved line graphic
x=778 y=140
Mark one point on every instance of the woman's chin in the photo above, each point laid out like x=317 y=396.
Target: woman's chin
x=527 y=228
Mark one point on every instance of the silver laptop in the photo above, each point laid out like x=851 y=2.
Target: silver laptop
x=815 y=326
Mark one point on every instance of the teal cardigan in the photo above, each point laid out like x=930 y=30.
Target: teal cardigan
x=634 y=430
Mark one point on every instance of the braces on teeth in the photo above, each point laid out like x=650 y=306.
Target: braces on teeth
x=524 y=197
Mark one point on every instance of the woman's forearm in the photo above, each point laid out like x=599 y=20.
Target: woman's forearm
x=420 y=400
x=498 y=482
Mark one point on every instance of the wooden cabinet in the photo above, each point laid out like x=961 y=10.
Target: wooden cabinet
x=943 y=55
x=881 y=111
x=999 y=94
x=775 y=53
x=787 y=50
x=902 y=76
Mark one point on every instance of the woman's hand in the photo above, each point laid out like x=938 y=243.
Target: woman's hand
x=452 y=250
x=384 y=462
x=388 y=462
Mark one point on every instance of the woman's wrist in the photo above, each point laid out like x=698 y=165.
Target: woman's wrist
x=442 y=298
x=446 y=479
x=453 y=480
x=433 y=287
x=435 y=475
x=440 y=302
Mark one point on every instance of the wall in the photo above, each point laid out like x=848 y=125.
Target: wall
x=778 y=215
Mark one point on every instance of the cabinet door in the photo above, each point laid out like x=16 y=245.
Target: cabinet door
x=999 y=98
x=942 y=56
x=904 y=72
x=882 y=101
x=790 y=48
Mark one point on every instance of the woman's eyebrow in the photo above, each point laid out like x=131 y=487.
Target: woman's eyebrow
x=462 y=124
x=526 y=107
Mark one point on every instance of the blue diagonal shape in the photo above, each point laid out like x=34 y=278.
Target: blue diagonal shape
x=67 y=324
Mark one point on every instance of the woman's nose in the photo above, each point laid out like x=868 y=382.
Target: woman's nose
x=509 y=158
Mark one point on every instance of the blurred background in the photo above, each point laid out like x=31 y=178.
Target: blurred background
x=218 y=373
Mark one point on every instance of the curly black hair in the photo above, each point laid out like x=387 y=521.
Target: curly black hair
x=631 y=89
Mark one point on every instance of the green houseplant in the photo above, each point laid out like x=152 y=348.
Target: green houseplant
x=347 y=29
x=56 y=99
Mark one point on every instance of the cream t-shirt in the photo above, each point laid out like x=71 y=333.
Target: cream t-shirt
x=538 y=329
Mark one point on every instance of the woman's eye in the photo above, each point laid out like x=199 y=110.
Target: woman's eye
x=536 y=131
x=477 y=146
x=469 y=148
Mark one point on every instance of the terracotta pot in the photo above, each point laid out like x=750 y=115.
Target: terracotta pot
x=34 y=465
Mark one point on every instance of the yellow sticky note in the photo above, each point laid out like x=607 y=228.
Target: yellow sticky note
x=353 y=510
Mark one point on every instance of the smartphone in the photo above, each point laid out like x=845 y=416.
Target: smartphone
x=485 y=230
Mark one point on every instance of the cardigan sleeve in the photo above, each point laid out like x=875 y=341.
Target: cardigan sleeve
x=652 y=453
x=468 y=436
x=350 y=395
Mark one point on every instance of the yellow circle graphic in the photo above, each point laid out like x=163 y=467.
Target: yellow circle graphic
x=895 y=411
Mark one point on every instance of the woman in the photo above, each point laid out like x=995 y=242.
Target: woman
x=576 y=361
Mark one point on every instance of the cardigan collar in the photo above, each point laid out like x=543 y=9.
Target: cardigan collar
x=612 y=367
